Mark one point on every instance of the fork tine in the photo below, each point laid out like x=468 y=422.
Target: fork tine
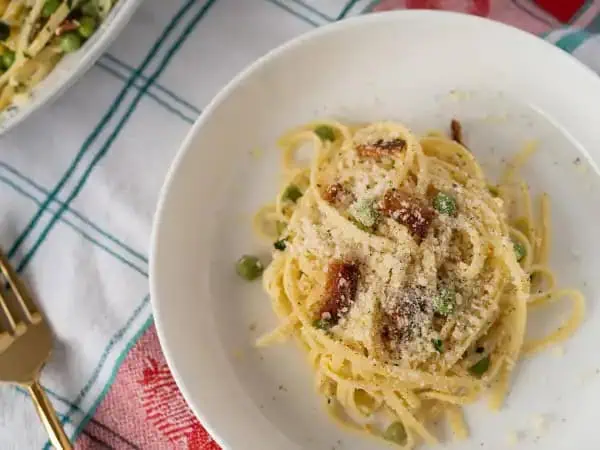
x=5 y=340
x=14 y=327
x=8 y=327
x=7 y=314
x=20 y=291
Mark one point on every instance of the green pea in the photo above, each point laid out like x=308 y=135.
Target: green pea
x=438 y=344
x=445 y=301
x=325 y=132
x=87 y=26
x=322 y=324
x=70 y=42
x=89 y=9
x=395 y=433
x=363 y=211
x=4 y=31
x=249 y=267
x=520 y=250
x=480 y=367
x=8 y=58
x=280 y=244
x=445 y=204
x=292 y=193
x=50 y=8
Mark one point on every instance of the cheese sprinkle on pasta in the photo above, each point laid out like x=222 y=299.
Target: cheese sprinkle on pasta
x=406 y=276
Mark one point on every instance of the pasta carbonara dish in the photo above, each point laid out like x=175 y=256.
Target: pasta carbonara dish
x=35 y=34
x=405 y=274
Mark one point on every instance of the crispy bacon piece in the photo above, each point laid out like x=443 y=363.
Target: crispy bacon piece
x=381 y=148
x=403 y=316
x=408 y=211
x=456 y=131
x=65 y=26
x=340 y=290
x=334 y=193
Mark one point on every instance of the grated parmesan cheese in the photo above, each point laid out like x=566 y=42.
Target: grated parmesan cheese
x=401 y=273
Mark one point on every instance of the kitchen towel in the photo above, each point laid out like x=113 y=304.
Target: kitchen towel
x=79 y=181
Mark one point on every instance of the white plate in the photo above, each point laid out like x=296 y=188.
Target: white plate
x=72 y=66
x=421 y=68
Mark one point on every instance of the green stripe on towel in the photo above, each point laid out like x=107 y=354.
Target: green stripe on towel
x=572 y=41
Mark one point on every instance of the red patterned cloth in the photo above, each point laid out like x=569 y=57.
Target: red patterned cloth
x=144 y=408
x=536 y=16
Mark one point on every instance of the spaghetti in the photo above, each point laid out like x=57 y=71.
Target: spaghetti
x=405 y=275
x=35 y=34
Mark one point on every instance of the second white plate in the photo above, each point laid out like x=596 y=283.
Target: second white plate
x=72 y=66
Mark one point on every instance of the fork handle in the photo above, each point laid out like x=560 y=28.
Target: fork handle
x=45 y=410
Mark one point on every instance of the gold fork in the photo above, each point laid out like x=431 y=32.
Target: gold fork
x=25 y=345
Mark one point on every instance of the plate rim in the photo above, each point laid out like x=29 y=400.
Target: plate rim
x=158 y=306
